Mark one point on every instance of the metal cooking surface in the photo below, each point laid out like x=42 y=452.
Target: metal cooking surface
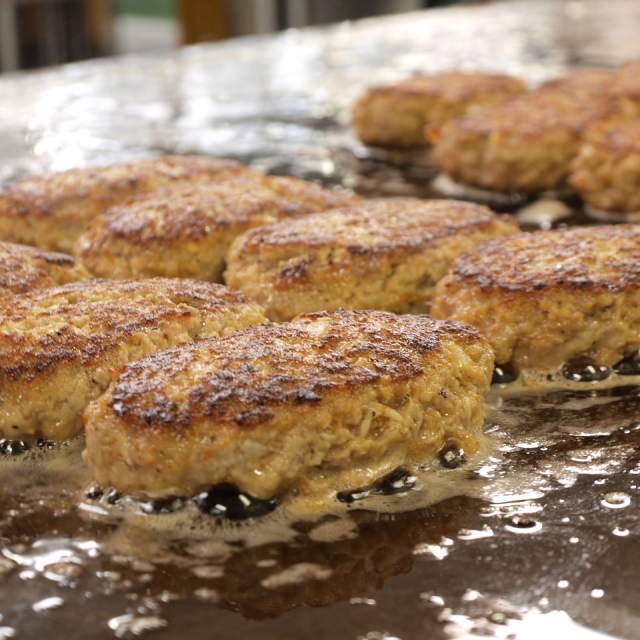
x=544 y=541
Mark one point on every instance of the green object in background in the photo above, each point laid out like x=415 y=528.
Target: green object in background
x=155 y=8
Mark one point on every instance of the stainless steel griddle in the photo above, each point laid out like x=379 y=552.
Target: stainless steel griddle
x=546 y=541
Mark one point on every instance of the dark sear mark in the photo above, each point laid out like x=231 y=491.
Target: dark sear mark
x=227 y=501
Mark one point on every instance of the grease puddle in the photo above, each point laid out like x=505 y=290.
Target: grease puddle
x=540 y=524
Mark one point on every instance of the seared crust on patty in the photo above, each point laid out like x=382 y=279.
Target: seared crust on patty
x=606 y=173
x=380 y=255
x=585 y=81
x=523 y=145
x=184 y=230
x=58 y=346
x=395 y=115
x=24 y=269
x=542 y=298
x=626 y=88
x=51 y=210
x=328 y=402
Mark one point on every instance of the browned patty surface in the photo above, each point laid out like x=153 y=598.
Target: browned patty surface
x=379 y=255
x=395 y=115
x=626 y=88
x=606 y=173
x=328 y=402
x=24 y=268
x=523 y=145
x=59 y=346
x=51 y=210
x=542 y=298
x=184 y=230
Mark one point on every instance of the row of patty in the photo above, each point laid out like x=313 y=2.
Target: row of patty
x=488 y=132
x=334 y=398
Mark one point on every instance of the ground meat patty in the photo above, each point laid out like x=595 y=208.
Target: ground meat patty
x=185 y=230
x=57 y=346
x=328 y=402
x=24 y=269
x=626 y=88
x=51 y=210
x=542 y=298
x=585 y=81
x=606 y=173
x=395 y=115
x=381 y=255
x=524 y=145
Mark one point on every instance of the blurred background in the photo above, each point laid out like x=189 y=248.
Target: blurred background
x=36 y=33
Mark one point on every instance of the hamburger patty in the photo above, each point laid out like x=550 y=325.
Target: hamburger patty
x=184 y=230
x=57 y=346
x=51 y=210
x=24 y=269
x=524 y=145
x=380 y=255
x=606 y=173
x=543 y=298
x=395 y=115
x=626 y=88
x=587 y=81
x=328 y=402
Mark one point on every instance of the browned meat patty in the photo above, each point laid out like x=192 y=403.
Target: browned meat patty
x=523 y=145
x=51 y=210
x=542 y=298
x=328 y=402
x=380 y=255
x=626 y=88
x=24 y=269
x=184 y=230
x=58 y=346
x=395 y=115
x=586 y=81
x=606 y=173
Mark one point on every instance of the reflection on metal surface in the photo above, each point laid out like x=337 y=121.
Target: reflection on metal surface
x=552 y=530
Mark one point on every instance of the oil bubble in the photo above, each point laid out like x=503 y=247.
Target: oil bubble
x=47 y=603
x=452 y=457
x=13 y=447
x=629 y=366
x=620 y=531
x=129 y=624
x=63 y=571
x=207 y=595
x=162 y=505
x=503 y=374
x=522 y=524
x=226 y=501
x=584 y=369
x=208 y=571
x=615 y=499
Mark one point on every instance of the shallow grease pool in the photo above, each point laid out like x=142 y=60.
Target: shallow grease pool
x=547 y=522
